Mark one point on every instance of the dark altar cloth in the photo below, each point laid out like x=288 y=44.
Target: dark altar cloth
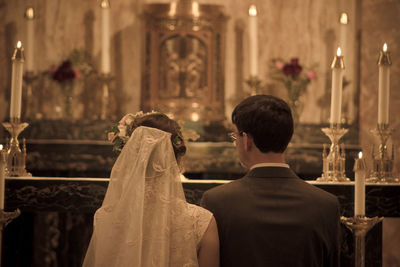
x=57 y=215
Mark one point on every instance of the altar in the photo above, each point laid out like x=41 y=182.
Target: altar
x=55 y=224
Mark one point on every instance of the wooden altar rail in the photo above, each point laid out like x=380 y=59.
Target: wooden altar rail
x=57 y=215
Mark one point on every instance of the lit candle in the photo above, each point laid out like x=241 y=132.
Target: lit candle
x=29 y=44
x=343 y=21
x=2 y=176
x=337 y=84
x=384 y=63
x=359 y=186
x=253 y=41
x=105 y=37
x=16 y=82
x=195 y=9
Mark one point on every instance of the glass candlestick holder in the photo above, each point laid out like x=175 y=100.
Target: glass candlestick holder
x=254 y=84
x=105 y=95
x=359 y=226
x=333 y=169
x=16 y=156
x=382 y=169
x=29 y=79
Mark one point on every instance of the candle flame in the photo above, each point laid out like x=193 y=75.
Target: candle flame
x=195 y=9
x=384 y=47
x=252 y=11
x=344 y=18
x=360 y=155
x=19 y=44
x=172 y=9
x=195 y=116
x=105 y=4
x=29 y=13
x=339 y=52
x=1 y=147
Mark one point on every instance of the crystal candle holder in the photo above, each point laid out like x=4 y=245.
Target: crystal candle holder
x=359 y=226
x=254 y=84
x=15 y=155
x=334 y=161
x=382 y=170
x=105 y=95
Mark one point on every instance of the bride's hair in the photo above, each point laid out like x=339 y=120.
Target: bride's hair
x=163 y=122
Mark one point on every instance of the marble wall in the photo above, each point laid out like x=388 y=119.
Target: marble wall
x=307 y=29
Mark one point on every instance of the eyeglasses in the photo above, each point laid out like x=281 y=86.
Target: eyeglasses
x=234 y=136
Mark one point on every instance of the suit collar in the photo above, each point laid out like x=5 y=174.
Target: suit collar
x=271 y=172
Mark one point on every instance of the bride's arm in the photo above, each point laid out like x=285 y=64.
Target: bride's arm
x=208 y=254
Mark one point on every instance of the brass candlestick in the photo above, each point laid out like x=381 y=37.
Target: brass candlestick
x=254 y=84
x=334 y=162
x=382 y=170
x=105 y=95
x=15 y=155
x=359 y=226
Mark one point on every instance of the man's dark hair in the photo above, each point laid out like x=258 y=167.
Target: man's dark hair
x=267 y=119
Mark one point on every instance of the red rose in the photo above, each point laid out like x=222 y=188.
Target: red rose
x=294 y=61
x=288 y=69
x=64 y=72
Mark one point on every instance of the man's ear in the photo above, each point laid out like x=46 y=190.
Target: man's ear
x=248 y=142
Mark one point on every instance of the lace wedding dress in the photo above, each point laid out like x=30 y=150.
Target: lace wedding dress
x=145 y=220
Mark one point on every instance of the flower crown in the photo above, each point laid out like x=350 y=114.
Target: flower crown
x=119 y=134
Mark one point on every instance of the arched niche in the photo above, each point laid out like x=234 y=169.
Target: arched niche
x=183 y=66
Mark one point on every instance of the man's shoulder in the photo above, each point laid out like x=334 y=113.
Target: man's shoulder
x=320 y=195
x=223 y=192
x=225 y=188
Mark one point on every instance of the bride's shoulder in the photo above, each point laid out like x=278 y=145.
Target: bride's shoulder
x=195 y=210
x=200 y=215
x=201 y=219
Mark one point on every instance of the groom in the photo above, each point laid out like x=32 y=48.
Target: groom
x=271 y=217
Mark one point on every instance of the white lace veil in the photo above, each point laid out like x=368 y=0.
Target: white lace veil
x=143 y=220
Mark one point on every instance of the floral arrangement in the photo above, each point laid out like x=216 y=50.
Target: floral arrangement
x=119 y=134
x=72 y=68
x=294 y=78
x=65 y=72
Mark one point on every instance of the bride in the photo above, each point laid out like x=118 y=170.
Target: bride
x=144 y=219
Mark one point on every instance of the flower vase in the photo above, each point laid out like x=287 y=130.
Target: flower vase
x=68 y=96
x=297 y=107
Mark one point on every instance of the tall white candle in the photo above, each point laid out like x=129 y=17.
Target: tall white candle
x=384 y=63
x=29 y=43
x=105 y=37
x=16 y=81
x=2 y=176
x=359 y=186
x=337 y=85
x=343 y=21
x=253 y=41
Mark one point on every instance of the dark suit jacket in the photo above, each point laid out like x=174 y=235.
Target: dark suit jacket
x=272 y=218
